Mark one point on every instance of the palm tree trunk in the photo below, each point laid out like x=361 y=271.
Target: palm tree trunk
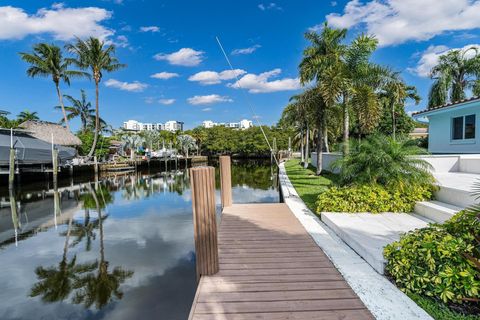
x=301 y=147
x=346 y=126
x=60 y=99
x=325 y=135
x=393 y=121
x=97 y=122
x=319 y=144
x=307 y=142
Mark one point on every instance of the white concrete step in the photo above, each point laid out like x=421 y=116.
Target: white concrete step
x=456 y=188
x=436 y=210
x=367 y=234
x=455 y=196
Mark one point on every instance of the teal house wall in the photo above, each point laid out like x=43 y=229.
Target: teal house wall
x=441 y=136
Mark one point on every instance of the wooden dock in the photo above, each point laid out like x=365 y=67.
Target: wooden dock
x=270 y=268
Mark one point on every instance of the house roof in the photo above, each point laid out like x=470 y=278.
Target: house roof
x=447 y=105
x=44 y=130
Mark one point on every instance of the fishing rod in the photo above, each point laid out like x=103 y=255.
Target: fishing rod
x=252 y=110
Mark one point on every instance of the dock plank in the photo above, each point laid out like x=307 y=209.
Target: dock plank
x=270 y=268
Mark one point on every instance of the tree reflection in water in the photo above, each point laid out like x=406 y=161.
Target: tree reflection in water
x=91 y=283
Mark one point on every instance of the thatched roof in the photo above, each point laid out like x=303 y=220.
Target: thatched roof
x=44 y=130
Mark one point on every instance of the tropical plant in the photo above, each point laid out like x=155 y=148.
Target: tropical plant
x=80 y=108
x=439 y=261
x=132 y=142
x=456 y=71
x=186 y=143
x=372 y=198
x=381 y=160
x=395 y=93
x=27 y=115
x=95 y=55
x=47 y=61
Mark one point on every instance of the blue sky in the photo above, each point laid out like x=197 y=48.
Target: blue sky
x=176 y=70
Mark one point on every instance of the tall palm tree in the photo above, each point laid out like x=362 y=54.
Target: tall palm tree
x=95 y=55
x=80 y=108
x=395 y=93
x=186 y=143
x=456 y=71
x=47 y=61
x=27 y=115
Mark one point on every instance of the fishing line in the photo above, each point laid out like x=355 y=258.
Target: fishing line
x=250 y=105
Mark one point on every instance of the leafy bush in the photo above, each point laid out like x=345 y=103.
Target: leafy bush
x=381 y=160
x=439 y=261
x=372 y=198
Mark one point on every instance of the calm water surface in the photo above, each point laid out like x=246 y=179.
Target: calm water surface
x=117 y=248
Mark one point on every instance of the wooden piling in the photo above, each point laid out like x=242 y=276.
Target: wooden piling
x=11 y=173
x=55 y=165
x=225 y=181
x=202 y=180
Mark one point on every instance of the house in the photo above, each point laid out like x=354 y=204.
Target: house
x=453 y=127
x=47 y=131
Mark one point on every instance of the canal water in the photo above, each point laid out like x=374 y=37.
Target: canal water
x=119 y=247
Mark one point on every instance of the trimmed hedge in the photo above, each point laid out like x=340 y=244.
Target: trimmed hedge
x=439 y=261
x=372 y=198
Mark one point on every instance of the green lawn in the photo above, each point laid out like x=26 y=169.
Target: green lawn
x=439 y=311
x=307 y=184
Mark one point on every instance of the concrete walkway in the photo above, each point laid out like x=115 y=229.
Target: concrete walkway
x=381 y=297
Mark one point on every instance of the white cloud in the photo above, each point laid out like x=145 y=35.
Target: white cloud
x=184 y=57
x=62 y=23
x=398 y=21
x=121 y=41
x=206 y=109
x=261 y=84
x=164 y=75
x=248 y=50
x=134 y=86
x=269 y=6
x=212 y=77
x=150 y=29
x=166 y=101
x=429 y=58
x=208 y=99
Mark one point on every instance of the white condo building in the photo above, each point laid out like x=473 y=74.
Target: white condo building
x=134 y=125
x=244 y=124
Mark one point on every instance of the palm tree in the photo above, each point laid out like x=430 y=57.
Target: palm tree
x=80 y=108
x=395 y=93
x=95 y=55
x=47 y=61
x=186 y=143
x=381 y=160
x=132 y=142
x=27 y=115
x=455 y=72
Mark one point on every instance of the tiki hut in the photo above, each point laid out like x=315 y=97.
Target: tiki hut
x=44 y=130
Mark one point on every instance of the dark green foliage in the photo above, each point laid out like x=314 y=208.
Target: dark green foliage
x=221 y=140
x=382 y=160
x=434 y=261
x=404 y=124
x=372 y=198
x=86 y=137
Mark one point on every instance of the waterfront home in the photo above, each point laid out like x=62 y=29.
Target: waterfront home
x=453 y=127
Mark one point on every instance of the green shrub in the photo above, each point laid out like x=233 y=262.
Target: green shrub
x=382 y=160
x=434 y=261
x=372 y=198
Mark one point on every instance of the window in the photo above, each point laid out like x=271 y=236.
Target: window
x=470 y=127
x=457 y=133
x=463 y=127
